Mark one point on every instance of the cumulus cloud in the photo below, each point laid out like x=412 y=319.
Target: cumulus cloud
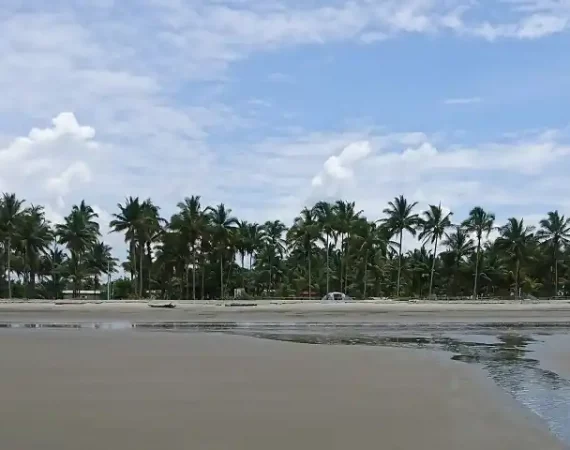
x=53 y=166
x=507 y=177
x=340 y=168
x=153 y=107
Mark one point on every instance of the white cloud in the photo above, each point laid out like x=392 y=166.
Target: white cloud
x=372 y=168
x=340 y=167
x=133 y=78
x=55 y=167
x=275 y=178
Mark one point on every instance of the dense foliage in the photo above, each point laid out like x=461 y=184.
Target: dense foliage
x=206 y=252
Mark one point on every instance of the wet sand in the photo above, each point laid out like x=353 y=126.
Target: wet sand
x=126 y=390
x=554 y=354
x=559 y=362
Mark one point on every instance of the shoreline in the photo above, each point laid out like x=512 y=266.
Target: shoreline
x=553 y=312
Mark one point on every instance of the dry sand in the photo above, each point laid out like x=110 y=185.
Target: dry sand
x=556 y=311
x=134 y=390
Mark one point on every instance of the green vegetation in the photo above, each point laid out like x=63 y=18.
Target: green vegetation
x=205 y=252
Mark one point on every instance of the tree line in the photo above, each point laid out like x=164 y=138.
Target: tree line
x=205 y=252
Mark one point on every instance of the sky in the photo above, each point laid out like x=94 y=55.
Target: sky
x=270 y=105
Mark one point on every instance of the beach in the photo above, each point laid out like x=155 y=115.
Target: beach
x=69 y=389
x=267 y=311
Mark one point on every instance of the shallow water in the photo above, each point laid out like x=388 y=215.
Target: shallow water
x=508 y=353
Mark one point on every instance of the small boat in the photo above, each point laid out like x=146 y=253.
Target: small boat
x=162 y=304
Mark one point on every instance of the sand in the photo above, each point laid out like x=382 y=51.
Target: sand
x=557 y=361
x=148 y=390
x=382 y=312
x=553 y=353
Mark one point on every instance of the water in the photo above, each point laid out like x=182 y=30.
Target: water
x=509 y=354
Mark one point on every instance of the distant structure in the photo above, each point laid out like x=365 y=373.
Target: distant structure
x=83 y=295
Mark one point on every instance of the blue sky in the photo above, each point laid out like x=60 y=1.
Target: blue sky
x=269 y=105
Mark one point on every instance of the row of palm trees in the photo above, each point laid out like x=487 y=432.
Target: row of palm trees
x=31 y=249
x=206 y=252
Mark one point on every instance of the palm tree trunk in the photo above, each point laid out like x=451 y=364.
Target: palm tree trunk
x=182 y=274
x=328 y=275
x=242 y=271
x=26 y=273
x=399 y=265
x=221 y=277
x=194 y=272
x=9 y=256
x=517 y=274
x=309 y=273
x=432 y=268
x=96 y=283
x=133 y=258
x=270 y=275
x=79 y=275
x=555 y=270
x=141 y=270
x=476 y=268
x=346 y=264
x=33 y=283
x=149 y=254
x=203 y=286
x=341 y=260
x=365 y=274
x=556 y=278
x=186 y=282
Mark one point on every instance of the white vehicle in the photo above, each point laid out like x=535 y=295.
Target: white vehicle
x=336 y=296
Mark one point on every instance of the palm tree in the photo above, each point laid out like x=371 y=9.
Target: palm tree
x=370 y=239
x=346 y=218
x=326 y=218
x=223 y=225
x=101 y=261
x=420 y=266
x=460 y=246
x=481 y=223
x=274 y=244
x=126 y=221
x=255 y=237
x=33 y=236
x=401 y=218
x=140 y=221
x=433 y=228
x=79 y=233
x=302 y=234
x=148 y=229
x=190 y=223
x=242 y=237
x=55 y=264
x=10 y=215
x=554 y=233
x=517 y=240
